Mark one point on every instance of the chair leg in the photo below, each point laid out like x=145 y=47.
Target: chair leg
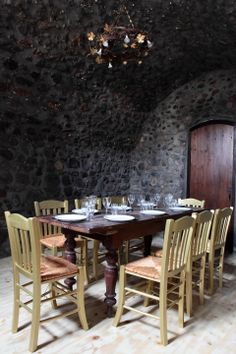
x=221 y=264
x=80 y=296
x=163 y=314
x=202 y=279
x=95 y=258
x=84 y=255
x=53 y=293
x=211 y=273
x=54 y=251
x=181 y=299
x=189 y=290
x=16 y=308
x=35 y=317
x=149 y=290
x=122 y=284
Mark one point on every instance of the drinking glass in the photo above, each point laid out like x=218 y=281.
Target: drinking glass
x=140 y=199
x=157 y=198
x=131 y=199
x=170 y=201
x=114 y=208
x=106 y=202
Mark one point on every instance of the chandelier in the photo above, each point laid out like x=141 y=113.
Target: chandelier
x=119 y=44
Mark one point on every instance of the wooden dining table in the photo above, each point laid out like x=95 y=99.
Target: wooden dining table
x=112 y=234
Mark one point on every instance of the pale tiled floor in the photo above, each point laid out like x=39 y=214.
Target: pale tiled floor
x=211 y=330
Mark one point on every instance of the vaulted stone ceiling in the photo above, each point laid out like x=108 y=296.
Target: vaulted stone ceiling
x=68 y=125
x=191 y=37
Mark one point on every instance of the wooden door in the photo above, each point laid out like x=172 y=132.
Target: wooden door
x=210 y=170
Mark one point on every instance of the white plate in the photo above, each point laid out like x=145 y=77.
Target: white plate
x=180 y=208
x=119 y=217
x=119 y=207
x=152 y=212
x=148 y=204
x=82 y=211
x=70 y=217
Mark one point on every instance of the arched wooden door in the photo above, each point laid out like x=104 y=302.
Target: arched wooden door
x=211 y=167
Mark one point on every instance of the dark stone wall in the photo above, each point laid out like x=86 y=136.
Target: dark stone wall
x=69 y=127
x=159 y=160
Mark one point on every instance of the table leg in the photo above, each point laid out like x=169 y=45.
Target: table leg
x=147 y=245
x=70 y=254
x=111 y=274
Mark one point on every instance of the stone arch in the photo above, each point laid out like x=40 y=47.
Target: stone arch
x=159 y=160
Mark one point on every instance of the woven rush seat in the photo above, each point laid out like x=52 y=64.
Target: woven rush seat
x=158 y=253
x=58 y=240
x=55 y=240
x=149 y=267
x=164 y=276
x=52 y=267
x=32 y=270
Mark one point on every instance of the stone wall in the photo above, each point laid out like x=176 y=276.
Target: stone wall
x=159 y=160
x=70 y=127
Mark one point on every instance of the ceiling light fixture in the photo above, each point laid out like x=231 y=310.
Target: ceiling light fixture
x=119 y=44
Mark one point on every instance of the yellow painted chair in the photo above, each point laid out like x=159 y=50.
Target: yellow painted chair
x=216 y=245
x=195 y=275
x=164 y=276
x=191 y=202
x=51 y=236
x=32 y=271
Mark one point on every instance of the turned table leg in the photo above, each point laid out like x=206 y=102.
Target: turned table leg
x=111 y=274
x=70 y=254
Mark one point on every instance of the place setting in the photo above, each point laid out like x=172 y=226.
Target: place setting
x=118 y=211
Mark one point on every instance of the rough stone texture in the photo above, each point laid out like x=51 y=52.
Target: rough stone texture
x=159 y=160
x=68 y=126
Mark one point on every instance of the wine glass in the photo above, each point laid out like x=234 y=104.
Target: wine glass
x=131 y=199
x=106 y=202
x=157 y=198
x=170 y=201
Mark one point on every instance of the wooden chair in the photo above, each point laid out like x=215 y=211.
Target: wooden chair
x=51 y=236
x=119 y=199
x=32 y=271
x=167 y=273
x=197 y=259
x=216 y=245
x=191 y=202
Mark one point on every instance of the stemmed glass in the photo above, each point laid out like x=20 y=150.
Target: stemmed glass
x=106 y=202
x=157 y=198
x=131 y=199
x=170 y=201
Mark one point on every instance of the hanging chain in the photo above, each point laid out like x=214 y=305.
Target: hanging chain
x=128 y=15
x=123 y=9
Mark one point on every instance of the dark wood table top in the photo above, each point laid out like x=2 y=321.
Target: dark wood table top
x=99 y=227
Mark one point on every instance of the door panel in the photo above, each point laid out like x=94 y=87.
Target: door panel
x=211 y=165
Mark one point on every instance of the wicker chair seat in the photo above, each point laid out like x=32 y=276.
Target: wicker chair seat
x=52 y=267
x=149 y=267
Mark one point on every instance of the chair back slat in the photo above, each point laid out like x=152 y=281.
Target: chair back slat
x=24 y=242
x=119 y=199
x=220 y=226
x=191 y=202
x=177 y=241
x=203 y=222
x=50 y=207
x=78 y=203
